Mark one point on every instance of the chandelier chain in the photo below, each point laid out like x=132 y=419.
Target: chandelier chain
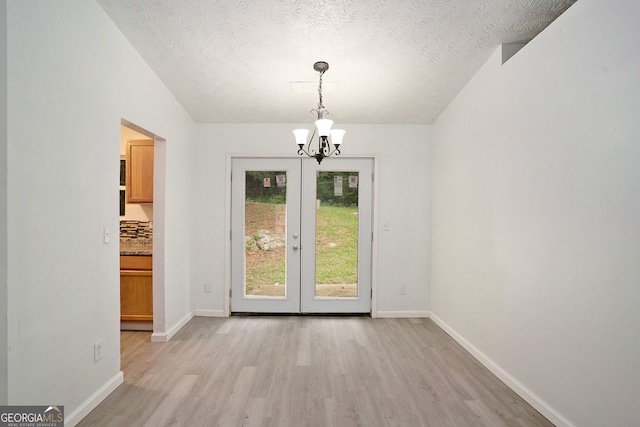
x=320 y=91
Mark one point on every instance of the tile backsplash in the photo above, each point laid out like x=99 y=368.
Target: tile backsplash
x=133 y=229
x=136 y=237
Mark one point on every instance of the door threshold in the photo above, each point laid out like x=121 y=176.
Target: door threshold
x=250 y=314
x=136 y=326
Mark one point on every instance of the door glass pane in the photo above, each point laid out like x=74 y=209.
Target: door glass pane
x=265 y=230
x=336 y=234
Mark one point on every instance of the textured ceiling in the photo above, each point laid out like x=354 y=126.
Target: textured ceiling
x=392 y=61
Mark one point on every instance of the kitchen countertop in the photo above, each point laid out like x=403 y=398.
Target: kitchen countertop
x=143 y=246
x=135 y=253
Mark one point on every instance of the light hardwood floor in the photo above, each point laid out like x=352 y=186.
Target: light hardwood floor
x=307 y=371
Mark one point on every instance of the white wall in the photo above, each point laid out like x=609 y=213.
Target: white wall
x=536 y=216
x=72 y=77
x=404 y=201
x=3 y=204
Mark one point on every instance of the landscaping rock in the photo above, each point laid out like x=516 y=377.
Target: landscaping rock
x=267 y=241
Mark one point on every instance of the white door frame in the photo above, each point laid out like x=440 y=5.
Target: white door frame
x=374 y=226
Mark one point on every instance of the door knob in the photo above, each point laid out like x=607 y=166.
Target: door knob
x=295 y=247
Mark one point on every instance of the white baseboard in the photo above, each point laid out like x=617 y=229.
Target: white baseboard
x=401 y=314
x=530 y=397
x=166 y=336
x=211 y=313
x=159 y=337
x=88 y=405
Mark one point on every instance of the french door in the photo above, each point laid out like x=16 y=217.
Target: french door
x=301 y=235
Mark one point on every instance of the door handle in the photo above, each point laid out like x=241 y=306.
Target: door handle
x=295 y=247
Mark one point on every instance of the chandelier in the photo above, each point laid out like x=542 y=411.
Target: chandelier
x=326 y=146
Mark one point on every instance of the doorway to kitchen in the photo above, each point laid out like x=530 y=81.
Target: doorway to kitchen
x=142 y=177
x=301 y=235
x=136 y=230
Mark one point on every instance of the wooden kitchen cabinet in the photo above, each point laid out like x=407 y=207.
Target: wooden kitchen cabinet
x=139 y=171
x=136 y=288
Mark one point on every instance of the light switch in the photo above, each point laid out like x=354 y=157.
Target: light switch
x=106 y=235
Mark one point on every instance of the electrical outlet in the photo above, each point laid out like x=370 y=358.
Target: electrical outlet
x=207 y=287
x=97 y=351
x=403 y=290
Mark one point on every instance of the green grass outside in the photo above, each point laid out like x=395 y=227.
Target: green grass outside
x=336 y=245
x=336 y=249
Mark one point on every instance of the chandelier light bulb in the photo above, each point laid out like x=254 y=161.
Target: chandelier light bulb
x=301 y=136
x=324 y=127
x=336 y=136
